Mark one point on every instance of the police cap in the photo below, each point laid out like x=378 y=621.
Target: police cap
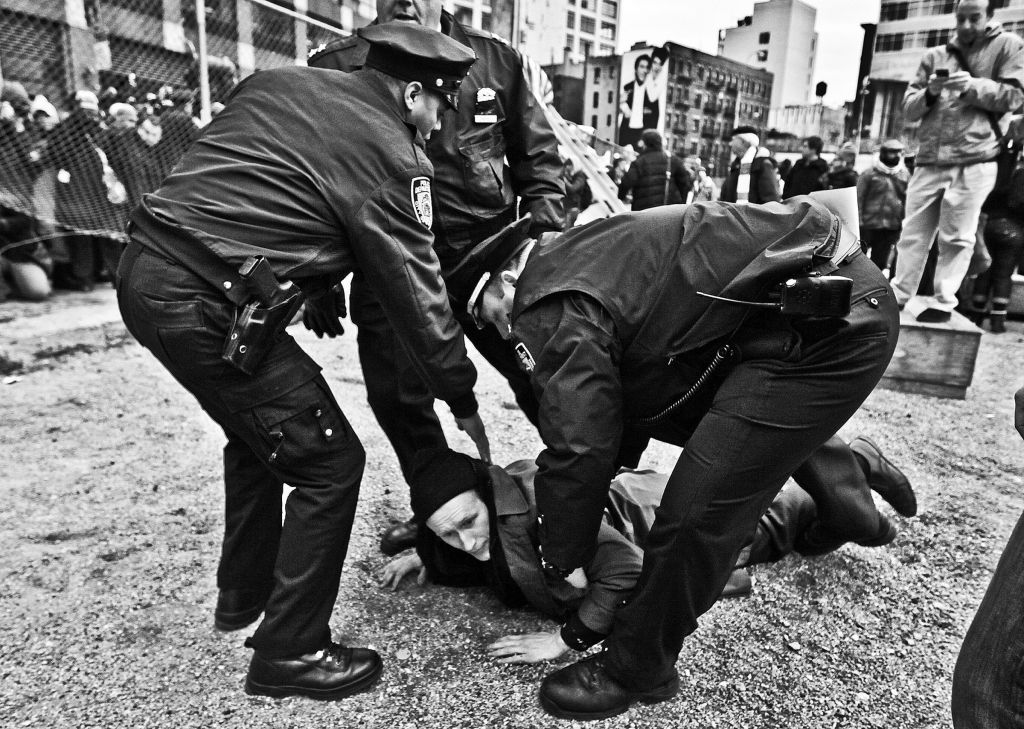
x=467 y=280
x=413 y=53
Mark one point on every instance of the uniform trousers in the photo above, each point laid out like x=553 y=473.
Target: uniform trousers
x=283 y=425
x=765 y=418
x=400 y=400
x=988 y=681
x=945 y=200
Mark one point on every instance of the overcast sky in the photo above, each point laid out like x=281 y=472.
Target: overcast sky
x=695 y=23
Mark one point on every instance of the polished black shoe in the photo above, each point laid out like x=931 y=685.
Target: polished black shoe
x=238 y=608
x=584 y=691
x=817 y=540
x=884 y=478
x=398 y=538
x=331 y=673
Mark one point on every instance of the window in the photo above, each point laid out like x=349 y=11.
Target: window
x=936 y=37
x=696 y=100
x=938 y=7
x=607 y=50
x=570 y=41
x=608 y=31
x=485 y=21
x=889 y=42
x=762 y=56
x=609 y=8
x=585 y=47
x=597 y=74
x=597 y=98
x=608 y=120
x=593 y=120
x=587 y=25
x=693 y=148
x=611 y=97
x=894 y=11
x=696 y=125
x=585 y=4
x=764 y=38
x=570 y=20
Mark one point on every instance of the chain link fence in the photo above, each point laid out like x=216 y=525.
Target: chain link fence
x=102 y=97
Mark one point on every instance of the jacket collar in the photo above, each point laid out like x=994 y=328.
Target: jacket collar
x=509 y=497
x=389 y=102
x=993 y=29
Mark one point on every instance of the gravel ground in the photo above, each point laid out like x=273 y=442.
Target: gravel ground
x=109 y=535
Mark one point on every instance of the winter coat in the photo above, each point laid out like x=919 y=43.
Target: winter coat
x=764 y=182
x=805 y=177
x=881 y=198
x=958 y=131
x=646 y=179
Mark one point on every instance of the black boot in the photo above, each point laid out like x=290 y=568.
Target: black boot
x=331 y=673
x=997 y=322
x=585 y=691
x=883 y=477
x=842 y=497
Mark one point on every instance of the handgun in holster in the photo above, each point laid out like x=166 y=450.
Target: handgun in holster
x=261 y=322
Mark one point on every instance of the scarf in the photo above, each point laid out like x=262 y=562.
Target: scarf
x=746 y=161
x=636 y=115
x=887 y=170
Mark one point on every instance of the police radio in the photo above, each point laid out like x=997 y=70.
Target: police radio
x=820 y=297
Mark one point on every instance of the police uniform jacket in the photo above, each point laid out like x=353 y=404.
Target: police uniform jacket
x=473 y=185
x=609 y=319
x=515 y=572
x=319 y=173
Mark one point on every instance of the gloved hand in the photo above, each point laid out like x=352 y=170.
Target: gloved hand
x=323 y=315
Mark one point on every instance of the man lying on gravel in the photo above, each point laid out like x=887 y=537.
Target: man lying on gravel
x=482 y=530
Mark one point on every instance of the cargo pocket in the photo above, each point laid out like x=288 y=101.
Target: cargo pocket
x=302 y=425
x=483 y=169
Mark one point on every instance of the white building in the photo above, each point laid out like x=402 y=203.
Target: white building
x=779 y=37
x=906 y=29
x=546 y=28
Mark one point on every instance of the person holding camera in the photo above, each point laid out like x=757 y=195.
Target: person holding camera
x=258 y=215
x=688 y=335
x=961 y=91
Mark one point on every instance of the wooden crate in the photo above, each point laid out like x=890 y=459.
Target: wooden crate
x=1016 y=306
x=934 y=359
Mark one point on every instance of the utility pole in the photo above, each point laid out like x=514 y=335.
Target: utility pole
x=864 y=91
x=820 y=89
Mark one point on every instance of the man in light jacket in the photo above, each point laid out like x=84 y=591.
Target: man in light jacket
x=960 y=92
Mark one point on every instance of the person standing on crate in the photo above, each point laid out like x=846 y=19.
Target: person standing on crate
x=259 y=214
x=476 y=194
x=748 y=334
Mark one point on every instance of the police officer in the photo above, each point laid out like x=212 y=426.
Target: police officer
x=498 y=119
x=629 y=337
x=320 y=174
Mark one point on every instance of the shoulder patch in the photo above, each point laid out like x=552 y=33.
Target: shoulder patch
x=526 y=361
x=422 y=201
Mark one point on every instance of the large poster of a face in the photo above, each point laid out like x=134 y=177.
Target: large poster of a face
x=642 y=97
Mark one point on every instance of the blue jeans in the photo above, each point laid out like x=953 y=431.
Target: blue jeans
x=988 y=682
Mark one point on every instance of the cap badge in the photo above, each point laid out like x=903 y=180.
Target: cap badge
x=439 y=82
x=526 y=360
x=422 y=201
x=486 y=111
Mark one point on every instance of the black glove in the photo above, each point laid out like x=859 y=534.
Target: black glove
x=324 y=314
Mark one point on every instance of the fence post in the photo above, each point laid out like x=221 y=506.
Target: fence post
x=204 y=63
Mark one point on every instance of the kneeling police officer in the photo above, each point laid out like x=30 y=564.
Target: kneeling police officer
x=307 y=175
x=748 y=334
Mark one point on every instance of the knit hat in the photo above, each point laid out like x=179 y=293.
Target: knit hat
x=42 y=104
x=651 y=139
x=893 y=145
x=439 y=476
x=14 y=94
x=123 y=112
x=86 y=99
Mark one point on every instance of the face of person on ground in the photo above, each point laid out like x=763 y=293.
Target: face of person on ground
x=971 y=18
x=463 y=523
x=424 y=12
x=496 y=303
x=424 y=108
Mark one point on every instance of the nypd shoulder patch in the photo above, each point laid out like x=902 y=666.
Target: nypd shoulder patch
x=526 y=360
x=422 y=200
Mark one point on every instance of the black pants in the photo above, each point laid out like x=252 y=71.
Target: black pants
x=879 y=243
x=402 y=404
x=1004 y=237
x=283 y=425
x=766 y=417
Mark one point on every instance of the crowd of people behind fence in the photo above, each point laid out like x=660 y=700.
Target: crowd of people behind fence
x=71 y=177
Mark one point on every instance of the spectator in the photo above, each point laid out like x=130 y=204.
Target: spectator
x=704 y=188
x=986 y=680
x=178 y=132
x=618 y=169
x=44 y=116
x=881 y=196
x=1004 y=237
x=841 y=172
x=752 y=176
x=785 y=167
x=805 y=177
x=578 y=195
x=129 y=147
x=82 y=205
x=655 y=178
x=982 y=69
x=22 y=256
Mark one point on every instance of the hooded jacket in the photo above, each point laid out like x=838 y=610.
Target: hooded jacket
x=647 y=177
x=805 y=177
x=958 y=131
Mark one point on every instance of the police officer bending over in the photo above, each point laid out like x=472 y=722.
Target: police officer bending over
x=629 y=337
x=498 y=119
x=306 y=176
